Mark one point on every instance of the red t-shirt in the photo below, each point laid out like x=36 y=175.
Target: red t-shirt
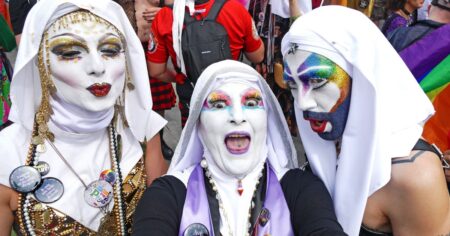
x=233 y=17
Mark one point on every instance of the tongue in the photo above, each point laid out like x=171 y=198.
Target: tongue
x=237 y=143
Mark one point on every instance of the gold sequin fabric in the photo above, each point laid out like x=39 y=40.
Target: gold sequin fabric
x=49 y=221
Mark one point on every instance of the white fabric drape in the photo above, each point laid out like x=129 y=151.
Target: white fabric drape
x=179 y=7
x=387 y=108
x=281 y=7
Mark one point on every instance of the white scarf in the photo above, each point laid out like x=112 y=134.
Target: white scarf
x=387 y=108
x=177 y=28
x=71 y=118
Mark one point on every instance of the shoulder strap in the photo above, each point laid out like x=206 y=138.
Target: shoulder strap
x=214 y=11
x=188 y=18
x=425 y=146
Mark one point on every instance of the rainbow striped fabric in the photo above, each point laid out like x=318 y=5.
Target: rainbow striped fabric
x=429 y=61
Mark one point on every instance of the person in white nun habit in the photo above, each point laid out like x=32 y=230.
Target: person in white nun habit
x=360 y=114
x=72 y=164
x=234 y=172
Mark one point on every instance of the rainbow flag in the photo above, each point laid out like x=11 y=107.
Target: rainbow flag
x=429 y=61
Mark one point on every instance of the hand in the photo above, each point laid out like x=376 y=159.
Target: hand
x=447 y=170
x=150 y=13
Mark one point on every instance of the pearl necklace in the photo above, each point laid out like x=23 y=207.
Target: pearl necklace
x=33 y=157
x=222 y=209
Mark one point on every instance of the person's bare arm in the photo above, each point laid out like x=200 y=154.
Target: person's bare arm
x=160 y=71
x=8 y=203
x=419 y=203
x=294 y=9
x=256 y=56
x=155 y=165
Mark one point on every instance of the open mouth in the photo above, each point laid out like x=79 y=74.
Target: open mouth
x=99 y=89
x=237 y=142
x=318 y=125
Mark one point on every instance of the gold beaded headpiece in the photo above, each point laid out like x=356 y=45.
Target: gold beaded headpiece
x=47 y=86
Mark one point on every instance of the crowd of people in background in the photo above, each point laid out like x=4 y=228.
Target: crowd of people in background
x=362 y=85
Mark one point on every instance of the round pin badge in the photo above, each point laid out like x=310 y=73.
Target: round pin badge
x=24 y=179
x=98 y=193
x=196 y=229
x=51 y=190
x=108 y=176
x=43 y=167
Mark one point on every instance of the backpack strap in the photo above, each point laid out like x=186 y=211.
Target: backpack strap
x=188 y=18
x=214 y=11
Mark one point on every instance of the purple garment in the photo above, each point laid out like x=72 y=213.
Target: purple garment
x=393 y=22
x=422 y=56
x=196 y=207
x=280 y=216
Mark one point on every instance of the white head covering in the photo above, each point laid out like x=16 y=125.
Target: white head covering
x=26 y=88
x=281 y=151
x=177 y=27
x=387 y=108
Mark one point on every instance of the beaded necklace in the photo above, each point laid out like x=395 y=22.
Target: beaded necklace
x=24 y=218
x=222 y=209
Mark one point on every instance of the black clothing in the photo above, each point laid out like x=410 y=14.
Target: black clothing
x=18 y=10
x=160 y=209
x=403 y=37
x=370 y=232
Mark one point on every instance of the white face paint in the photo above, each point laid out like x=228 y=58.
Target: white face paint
x=320 y=88
x=87 y=63
x=233 y=126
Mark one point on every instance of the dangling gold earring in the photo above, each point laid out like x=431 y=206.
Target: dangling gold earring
x=130 y=84
x=45 y=110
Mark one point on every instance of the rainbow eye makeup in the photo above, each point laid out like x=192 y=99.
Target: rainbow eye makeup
x=217 y=100
x=252 y=99
x=315 y=71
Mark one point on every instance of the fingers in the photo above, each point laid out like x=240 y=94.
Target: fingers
x=150 y=13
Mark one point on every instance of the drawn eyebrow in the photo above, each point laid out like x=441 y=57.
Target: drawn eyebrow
x=106 y=36
x=71 y=35
x=321 y=71
x=217 y=95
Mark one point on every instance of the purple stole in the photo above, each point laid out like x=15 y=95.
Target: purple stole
x=196 y=207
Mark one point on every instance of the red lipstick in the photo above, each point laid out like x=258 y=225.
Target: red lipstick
x=99 y=89
x=317 y=126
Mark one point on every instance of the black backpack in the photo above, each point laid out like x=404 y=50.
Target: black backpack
x=204 y=42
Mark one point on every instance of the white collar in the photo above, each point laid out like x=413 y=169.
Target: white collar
x=71 y=118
